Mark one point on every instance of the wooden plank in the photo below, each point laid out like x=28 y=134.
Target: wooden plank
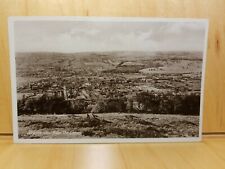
x=214 y=109
x=204 y=155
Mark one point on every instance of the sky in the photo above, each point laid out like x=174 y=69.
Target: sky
x=88 y=36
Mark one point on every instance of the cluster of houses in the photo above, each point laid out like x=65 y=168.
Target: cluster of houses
x=91 y=88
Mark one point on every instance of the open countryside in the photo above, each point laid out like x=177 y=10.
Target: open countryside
x=108 y=94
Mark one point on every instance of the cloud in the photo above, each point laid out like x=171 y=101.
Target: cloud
x=70 y=36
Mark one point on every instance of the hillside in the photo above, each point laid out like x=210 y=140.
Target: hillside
x=28 y=64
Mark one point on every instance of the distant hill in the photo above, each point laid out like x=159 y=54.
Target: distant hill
x=103 y=61
x=123 y=55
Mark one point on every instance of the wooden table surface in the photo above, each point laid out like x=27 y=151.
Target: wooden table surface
x=208 y=154
x=214 y=96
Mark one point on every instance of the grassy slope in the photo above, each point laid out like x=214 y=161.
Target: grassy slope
x=111 y=125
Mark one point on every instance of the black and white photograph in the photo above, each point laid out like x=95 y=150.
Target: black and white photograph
x=101 y=80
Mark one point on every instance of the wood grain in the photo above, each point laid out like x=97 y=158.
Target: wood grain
x=214 y=107
x=208 y=154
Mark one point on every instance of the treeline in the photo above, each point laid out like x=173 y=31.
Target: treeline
x=188 y=104
x=49 y=105
x=143 y=102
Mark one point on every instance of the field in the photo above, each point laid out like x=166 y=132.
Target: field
x=107 y=125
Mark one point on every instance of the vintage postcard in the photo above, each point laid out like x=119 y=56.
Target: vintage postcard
x=107 y=80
